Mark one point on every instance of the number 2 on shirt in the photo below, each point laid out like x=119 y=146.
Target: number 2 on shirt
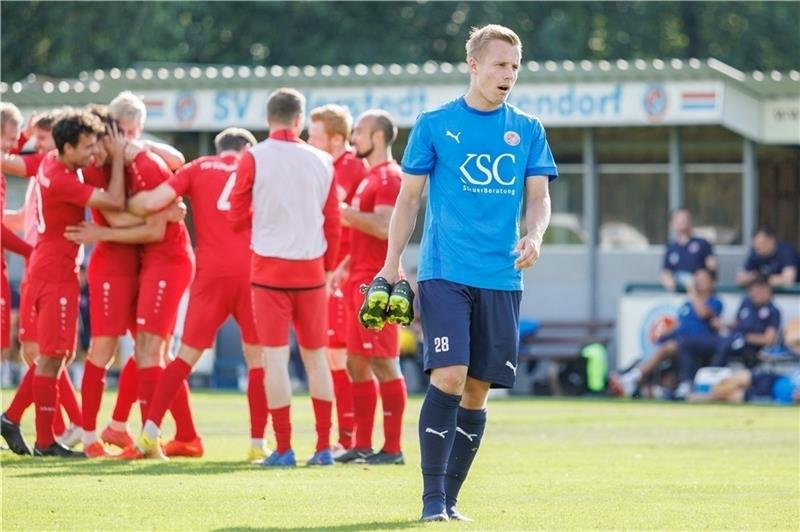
x=224 y=200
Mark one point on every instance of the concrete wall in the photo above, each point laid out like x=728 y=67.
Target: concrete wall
x=558 y=286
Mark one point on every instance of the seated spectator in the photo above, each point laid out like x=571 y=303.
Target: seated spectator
x=698 y=320
x=757 y=324
x=746 y=385
x=685 y=254
x=771 y=258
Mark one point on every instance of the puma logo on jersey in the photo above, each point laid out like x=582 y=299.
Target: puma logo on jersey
x=470 y=437
x=512 y=366
x=440 y=434
x=454 y=136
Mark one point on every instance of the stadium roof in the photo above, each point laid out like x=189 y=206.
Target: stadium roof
x=36 y=90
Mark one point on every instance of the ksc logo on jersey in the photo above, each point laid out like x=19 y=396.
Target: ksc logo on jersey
x=479 y=169
x=511 y=138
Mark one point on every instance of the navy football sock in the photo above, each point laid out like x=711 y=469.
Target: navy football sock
x=469 y=433
x=437 y=429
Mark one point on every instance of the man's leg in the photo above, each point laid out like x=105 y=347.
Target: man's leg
x=437 y=433
x=101 y=352
x=168 y=387
x=242 y=303
x=279 y=391
x=273 y=314
x=725 y=348
x=393 y=398
x=149 y=362
x=45 y=397
x=446 y=312
x=365 y=400
x=320 y=387
x=310 y=318
x=24 y=396
x=117 y=433
x=337 y=360
x=627 y=383
x=256 y=398
x=343 y=391
x=470 y=424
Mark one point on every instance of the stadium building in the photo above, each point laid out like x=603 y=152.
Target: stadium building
x=633 y=139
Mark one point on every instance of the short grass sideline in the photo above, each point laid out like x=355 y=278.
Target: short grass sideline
x=544 y=464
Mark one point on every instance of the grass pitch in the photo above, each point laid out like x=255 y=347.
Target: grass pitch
x=544 y=464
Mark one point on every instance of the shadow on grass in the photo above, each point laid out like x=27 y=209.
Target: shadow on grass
x=374 y=525
x=53 y=467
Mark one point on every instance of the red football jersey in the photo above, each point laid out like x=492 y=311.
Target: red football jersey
x=146 y=172
x=61 y=198
x=348 y=171
x=208 y=182
x=109 y=257
x=380 y=187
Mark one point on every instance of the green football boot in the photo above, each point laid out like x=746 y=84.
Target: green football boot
x=401 y=304
x=373 y=311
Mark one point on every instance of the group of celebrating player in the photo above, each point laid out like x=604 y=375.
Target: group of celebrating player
x=289 y=232
x=143 y=262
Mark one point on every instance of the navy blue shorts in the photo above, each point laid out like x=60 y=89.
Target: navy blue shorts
x=473 y=327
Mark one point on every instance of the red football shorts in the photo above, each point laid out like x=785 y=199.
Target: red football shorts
x=28 y=320
x=337 y=321
x=367 y=342
x=56 y=304
x=276 y=309
x=211 y=301
x=112 y=303
x=5 y=311
x=161 y=288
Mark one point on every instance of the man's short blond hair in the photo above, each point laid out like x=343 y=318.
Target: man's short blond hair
x=9 y=114
x=336 y=119
x=480 y=37
x=128 y=105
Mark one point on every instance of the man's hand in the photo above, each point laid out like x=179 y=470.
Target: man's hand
x=528 y=250
x=343 y=211
x=132 y=149
x=84 y=233
x=336 y=280
x=176 y=212
x=391 y=274
x=114 y=142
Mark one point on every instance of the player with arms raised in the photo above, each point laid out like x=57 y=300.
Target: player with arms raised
x=483 y=157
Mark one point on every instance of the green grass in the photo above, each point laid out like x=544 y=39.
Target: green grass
x=544 y=464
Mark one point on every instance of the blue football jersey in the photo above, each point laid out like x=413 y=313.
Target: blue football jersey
x=477 y=163
x=753 y=319
x=691 y=324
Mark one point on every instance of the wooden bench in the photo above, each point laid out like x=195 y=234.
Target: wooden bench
x=552 y=345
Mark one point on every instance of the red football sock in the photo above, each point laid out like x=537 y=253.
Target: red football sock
x=282 y=425
x=59 y=426
x=343 y=391
x=148 y=380
x=23 y=398
x=257 y=399
x=94 y=381
x=180 y=408
x=126 y=391
x=322 y=422
x=45 y=397
x=167 y=389
x=68 y=398
x=393 y=397
x=365 y=398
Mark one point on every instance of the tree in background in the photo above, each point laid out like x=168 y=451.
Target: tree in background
x=61 y=38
